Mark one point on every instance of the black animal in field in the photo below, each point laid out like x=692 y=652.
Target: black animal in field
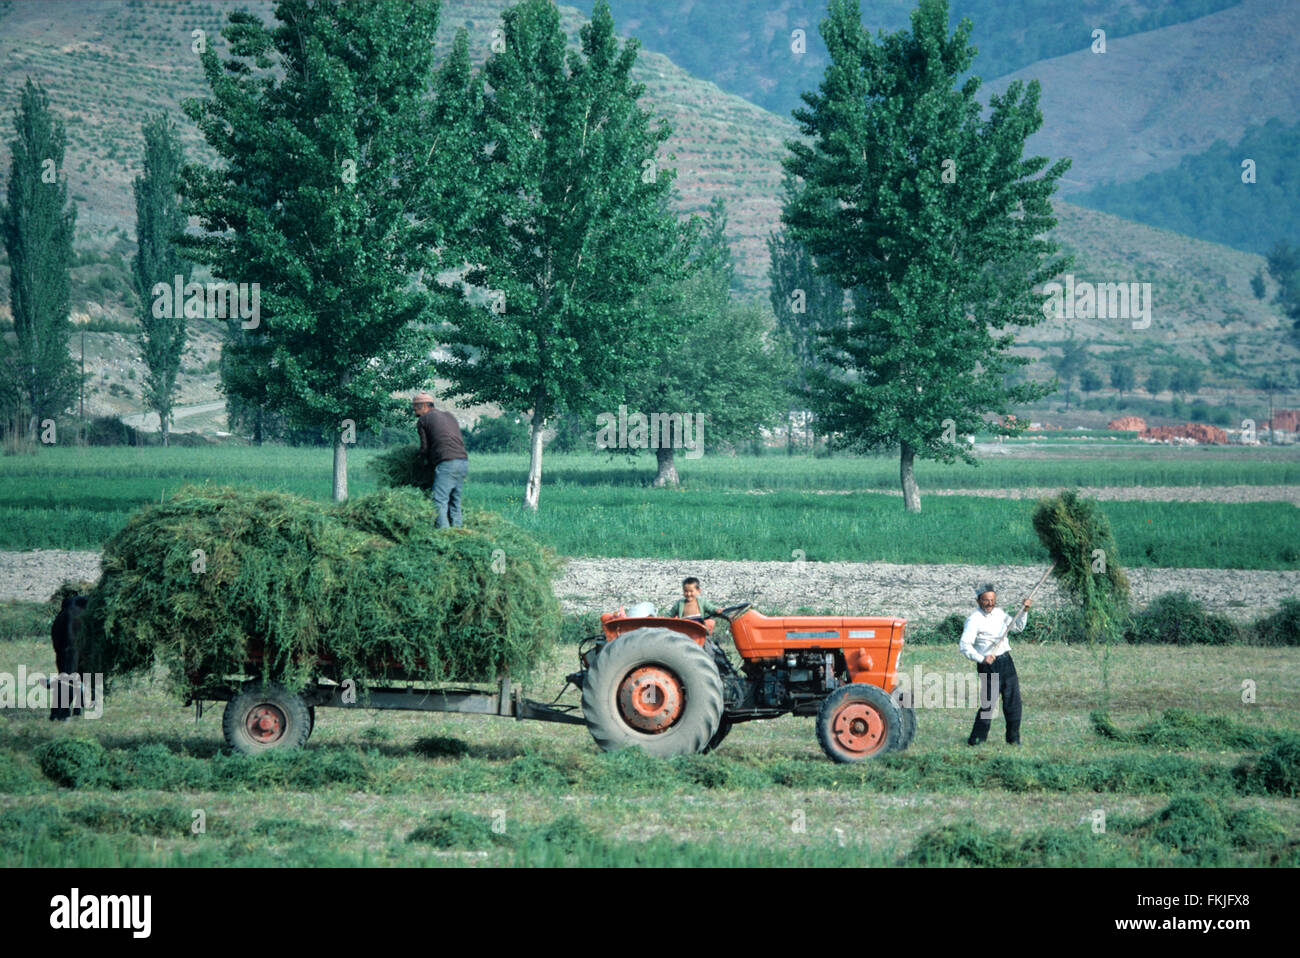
x=65 y=690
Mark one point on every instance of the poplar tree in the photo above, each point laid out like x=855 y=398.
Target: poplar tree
x=159 y=222
x=570 y=230
x=928 y=211
x=37 y=225
x=325 y=124
x=718 y=361
x=805 y=303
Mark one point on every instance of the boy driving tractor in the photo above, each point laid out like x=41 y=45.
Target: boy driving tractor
x=691 y=606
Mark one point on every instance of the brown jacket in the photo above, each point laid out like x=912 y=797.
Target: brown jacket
x=440 y=437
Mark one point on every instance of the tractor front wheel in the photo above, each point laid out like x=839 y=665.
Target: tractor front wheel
x=653 y=688
x=857 y=722
x=264 y=718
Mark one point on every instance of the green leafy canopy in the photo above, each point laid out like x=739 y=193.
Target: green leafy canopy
x=332 y=195
x=927 y=212
x=571 y=225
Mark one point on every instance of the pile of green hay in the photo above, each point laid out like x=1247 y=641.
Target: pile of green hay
x=968 y=844
x=457 y=829
x=370 y=582
x=1275 y=771
x=1205 y=830
x=1073 y=529
x=400 y=467
x=1180 y=728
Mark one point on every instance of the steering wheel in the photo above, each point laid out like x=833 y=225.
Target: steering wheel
x=737 y=609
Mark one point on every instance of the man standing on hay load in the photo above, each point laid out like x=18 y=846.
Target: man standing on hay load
x=984 y=641
x=442 y=449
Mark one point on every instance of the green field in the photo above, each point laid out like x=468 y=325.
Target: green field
x=405 y=788
x=743 y=507
x=1212 y=785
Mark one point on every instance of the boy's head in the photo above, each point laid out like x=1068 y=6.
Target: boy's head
x=691 y=587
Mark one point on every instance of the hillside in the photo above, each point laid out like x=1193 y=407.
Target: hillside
x=1204 y=195
x=107 y=64
x=1158 y=96
x=756 y=60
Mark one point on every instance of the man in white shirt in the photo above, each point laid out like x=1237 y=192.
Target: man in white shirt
x=984 y=641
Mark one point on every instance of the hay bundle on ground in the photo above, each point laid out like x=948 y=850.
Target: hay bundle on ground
x=1078 y=538
x=366 y=583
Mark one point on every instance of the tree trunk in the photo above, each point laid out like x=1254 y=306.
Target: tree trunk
x=667 y=467
x=257 y=427
x=340 y=470
x=789 y=433
x=163 y=425
x=911 y=495
x=533 y=491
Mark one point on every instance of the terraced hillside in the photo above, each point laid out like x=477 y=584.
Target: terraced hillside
x=106 y=64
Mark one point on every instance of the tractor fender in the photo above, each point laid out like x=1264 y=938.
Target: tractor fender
x=695 y=631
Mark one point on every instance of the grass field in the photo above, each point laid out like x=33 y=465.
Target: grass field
x=77 y=498
x=405 y=788
x=1215 y=784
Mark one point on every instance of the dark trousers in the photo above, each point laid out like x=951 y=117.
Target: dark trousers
x=448 y=476
x=997 y=679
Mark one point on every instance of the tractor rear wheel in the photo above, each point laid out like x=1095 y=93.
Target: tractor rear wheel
x=264 y=718
x=857 y=722
x=909 y=727
x=653 y=688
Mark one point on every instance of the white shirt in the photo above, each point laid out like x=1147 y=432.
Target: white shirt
x=982 y=631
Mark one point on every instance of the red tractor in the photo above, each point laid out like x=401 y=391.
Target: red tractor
x=662 y=684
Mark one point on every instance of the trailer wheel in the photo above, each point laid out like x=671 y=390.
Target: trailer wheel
x=857 y=722
x=909 y=728
x=264 y=718
x=653 y=688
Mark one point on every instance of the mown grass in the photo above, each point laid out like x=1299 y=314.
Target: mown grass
x=380 y=788
x=83 y=763
x=1191 y=830
x=76 y=499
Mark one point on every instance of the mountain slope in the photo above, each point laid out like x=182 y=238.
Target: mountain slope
x=756 y=60
x=1205 y=195
x=1155 y=97
x=107 y=64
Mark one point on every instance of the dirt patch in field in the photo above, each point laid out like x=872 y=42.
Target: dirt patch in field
x=916 y=592
x=33 y=576
x=922 y=593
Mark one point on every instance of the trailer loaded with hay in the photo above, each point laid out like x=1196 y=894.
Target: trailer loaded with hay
x=279 y=606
